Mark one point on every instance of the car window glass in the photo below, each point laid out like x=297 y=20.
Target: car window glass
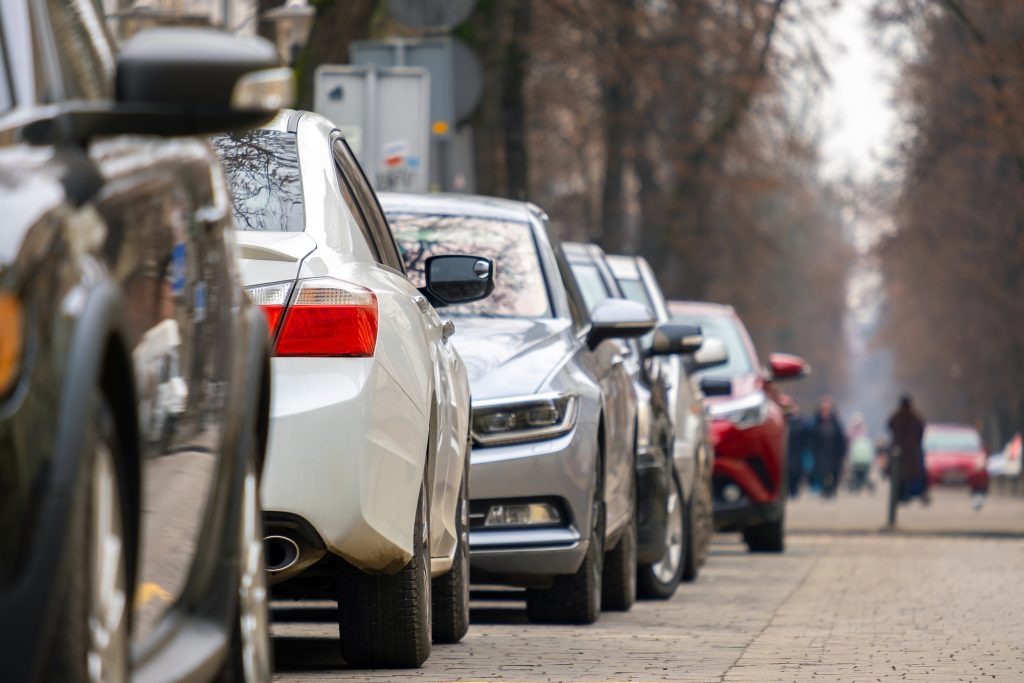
x=519 y=287
x=590 y=283
x=723 y=328
x=580 y=316
x=262 y=172
x=937 y=439
x=83 y=48
x=377 y=224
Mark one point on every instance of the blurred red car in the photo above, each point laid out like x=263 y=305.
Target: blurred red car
x=954 y=454
x=748 y=428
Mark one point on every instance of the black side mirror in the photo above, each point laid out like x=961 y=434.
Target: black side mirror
x=180 y=81
x=456 y=279
x=619 y=319
x=676 y=338
x=712 y=386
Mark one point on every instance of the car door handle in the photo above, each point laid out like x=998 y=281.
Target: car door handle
x=422 y=302
x=447 y=330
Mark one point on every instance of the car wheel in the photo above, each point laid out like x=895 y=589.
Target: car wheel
x=699 y=520
x=574 y=598
x=384 y=621
x=660 y=579
x=91 y=637
x=451 y=591
x=250 y=659
x=618 y=581
x=768 y=537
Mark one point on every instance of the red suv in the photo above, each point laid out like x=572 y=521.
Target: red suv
x=748 y=429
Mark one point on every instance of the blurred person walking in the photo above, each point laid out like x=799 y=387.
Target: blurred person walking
x=862 y=455
x=827 y=441
x=796 y=441
x=907 y=428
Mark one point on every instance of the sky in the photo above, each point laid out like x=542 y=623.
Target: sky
x=857 y=111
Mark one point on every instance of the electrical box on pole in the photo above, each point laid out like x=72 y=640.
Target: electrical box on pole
x=384 y=113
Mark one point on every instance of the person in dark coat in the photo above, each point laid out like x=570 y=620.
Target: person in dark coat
x=796 y=440
x=907 y=428
x=827 y=440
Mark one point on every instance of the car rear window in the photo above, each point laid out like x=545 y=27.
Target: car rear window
x=262 y=171
x=951 y=440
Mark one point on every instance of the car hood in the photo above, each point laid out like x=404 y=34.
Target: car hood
x=511 y=356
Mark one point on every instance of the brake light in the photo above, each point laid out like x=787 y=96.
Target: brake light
x=325 y=317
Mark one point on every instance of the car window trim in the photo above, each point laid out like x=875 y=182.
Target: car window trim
x=389 y=256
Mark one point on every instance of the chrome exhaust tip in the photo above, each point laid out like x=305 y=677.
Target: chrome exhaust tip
x=280 y=552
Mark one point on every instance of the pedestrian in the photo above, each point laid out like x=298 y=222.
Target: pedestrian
x=862 y=455
x=795 y=442
x=907 y=428
x=827 y=441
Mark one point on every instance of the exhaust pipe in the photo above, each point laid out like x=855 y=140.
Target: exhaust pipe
x=280 y=552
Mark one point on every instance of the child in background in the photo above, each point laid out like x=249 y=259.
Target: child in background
x=862 y=455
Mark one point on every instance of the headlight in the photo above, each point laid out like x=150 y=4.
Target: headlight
x=743 y=413
x=528 y=419
x=11 y=332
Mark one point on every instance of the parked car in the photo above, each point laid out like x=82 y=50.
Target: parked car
x=133 y=371
x=691 y=453
x=748 y=428
x=365 y=492
x=554 y=409
x=955 y=455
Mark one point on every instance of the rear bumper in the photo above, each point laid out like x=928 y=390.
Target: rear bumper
x=346 y=456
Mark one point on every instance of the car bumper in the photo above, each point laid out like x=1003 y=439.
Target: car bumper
x=559 y=470
x=345 y=455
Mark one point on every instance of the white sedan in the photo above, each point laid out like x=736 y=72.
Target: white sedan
x=364 y=489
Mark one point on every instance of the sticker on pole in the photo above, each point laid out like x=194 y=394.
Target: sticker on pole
x=397 y=167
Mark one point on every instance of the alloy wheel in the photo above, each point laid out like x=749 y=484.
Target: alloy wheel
x=667 y=567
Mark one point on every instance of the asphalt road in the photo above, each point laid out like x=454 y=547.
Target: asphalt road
x=940 y=600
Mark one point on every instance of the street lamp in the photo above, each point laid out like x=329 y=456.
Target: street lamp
x=292 y=22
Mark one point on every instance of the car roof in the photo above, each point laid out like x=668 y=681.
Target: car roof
x=701 y=308
x=582 y=251
x=444 y=204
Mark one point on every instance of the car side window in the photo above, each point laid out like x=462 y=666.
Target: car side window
x=353 y=176
x=577 y=307
x=84 y=50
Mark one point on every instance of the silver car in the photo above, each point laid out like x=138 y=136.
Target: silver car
x=552 y=479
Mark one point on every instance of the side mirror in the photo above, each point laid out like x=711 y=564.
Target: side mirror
x=181 y=81
x=457 y=279
x=713 y=386
x=676 y=338
x=711 y=354
x=785 y=366
x=619 y=319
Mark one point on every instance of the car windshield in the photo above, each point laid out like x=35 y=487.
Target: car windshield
x=519 y=287
x=951 y=440
x=591 y=284
x=725 y=329
x=262 y=171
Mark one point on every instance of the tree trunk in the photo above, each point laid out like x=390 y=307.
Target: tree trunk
x=337 y=23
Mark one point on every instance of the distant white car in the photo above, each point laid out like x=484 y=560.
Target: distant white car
x=364 y=491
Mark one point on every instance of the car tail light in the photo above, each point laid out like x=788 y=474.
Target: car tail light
x=272 y=299
x=323 y=317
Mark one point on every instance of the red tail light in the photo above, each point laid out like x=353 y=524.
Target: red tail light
x=325 y=317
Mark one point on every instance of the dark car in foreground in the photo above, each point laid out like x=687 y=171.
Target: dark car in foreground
x=748 y=429
x=133 y=371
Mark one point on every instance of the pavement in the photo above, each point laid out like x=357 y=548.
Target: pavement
x=939 y=599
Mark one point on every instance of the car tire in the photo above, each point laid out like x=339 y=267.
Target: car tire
x=384 y=621
x=451 y=591
x=618 y=580
x=768 y=537
x=699 y=523
x=250 y=660
x=659 y=580
x=91 y=633
x=574 y=598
